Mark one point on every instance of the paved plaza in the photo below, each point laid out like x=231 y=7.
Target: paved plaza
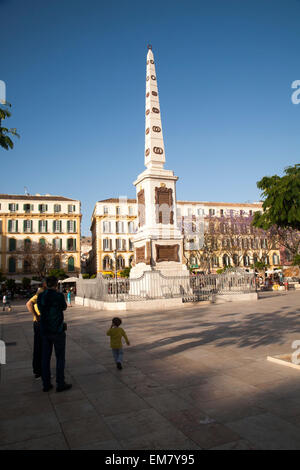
x=194 y=378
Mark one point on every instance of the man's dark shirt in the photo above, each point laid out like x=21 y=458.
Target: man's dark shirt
x=51 y=305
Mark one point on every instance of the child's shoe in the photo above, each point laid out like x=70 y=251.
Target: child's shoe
x=119 y=365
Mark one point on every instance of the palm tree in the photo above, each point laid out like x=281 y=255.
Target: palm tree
x=5 y=140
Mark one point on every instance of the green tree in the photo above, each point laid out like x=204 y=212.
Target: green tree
x=281 y=200
x=296 y=260
x=5 y=140
x=125 y=272
x=58 y=273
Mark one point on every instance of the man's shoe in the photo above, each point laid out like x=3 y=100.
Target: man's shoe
x=37 y=376
x=64 y=387
x=119 y=365
x=47 y=389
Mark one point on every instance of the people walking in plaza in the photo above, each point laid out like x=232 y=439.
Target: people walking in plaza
x=116 y=333
x=6 y=302
x=69 y=298
x=51 y=305
x=32 y=307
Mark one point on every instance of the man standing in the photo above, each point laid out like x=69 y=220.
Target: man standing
x=51 y=304
x=37 y=339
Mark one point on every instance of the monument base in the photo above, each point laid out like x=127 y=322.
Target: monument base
x=171 y=280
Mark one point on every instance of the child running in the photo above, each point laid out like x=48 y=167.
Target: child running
x=116 y=333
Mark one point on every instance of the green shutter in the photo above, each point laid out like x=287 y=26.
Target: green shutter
x=24 y=225
x=9 y=225
x=74 y=244
x=31 y=226
x=53 y=225
x=16 y=226
x=68 y=226
x=40 y=226
x=60 y=244
x=9 y=207
x=60 y=226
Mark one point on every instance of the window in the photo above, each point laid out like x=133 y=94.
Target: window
x=57 y=208
x=131 y=260
x=200 y=211
x=212 y=212
x=119 y=227
x=71 y=266
x=71 y=226
x=42 y=243
x=43 y=208
x=71 y=244
x=71 y=208
x=121 y=244
x=105 y=210
x=250 y=213
x=106 y=227
x=215 y=261
x=56 y=262
x=118 y=210
x=275 y=259
x=246 y=260
x=57 y=226
x=27 y=226
x=43 y=226
x=27 y=244
x=107 y=263
x=57 y=243
x=107 y=244
x=221 y=212
x=12 y=226
x=130 y=210
x=130 y=227
x=13 y=207
x=120 y=262
x=11 y=265
x=12 y=244
x=189 y=212
x=27 y=207
x=226 y=260
x=130 y=245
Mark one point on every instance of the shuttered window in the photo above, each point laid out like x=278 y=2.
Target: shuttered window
x=57 y=226
x=12 y=244
x=12 y=226
x=71 y=266
x=71 y=226
x=43 y=207
x=27 y=226
x=43 y=226
x=13 y=207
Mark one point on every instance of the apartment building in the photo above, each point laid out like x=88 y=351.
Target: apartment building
x=114 y=222
x=37 y=233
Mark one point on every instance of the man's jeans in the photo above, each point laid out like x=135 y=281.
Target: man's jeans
x=118 y=355
x=37 y=349
x=59 y=342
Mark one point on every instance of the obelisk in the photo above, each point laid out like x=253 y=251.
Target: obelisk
x=158 y=243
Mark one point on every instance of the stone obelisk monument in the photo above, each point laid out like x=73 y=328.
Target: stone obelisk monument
x=158 y=243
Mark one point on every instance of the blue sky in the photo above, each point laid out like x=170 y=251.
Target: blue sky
x=75 y=75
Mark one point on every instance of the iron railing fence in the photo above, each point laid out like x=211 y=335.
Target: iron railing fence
x=154 y=285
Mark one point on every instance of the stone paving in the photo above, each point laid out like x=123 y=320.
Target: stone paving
x=193 y=378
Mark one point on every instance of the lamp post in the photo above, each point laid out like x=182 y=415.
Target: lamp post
x=116 y=273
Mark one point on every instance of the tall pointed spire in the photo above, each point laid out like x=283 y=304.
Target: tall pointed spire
x=154 y=142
